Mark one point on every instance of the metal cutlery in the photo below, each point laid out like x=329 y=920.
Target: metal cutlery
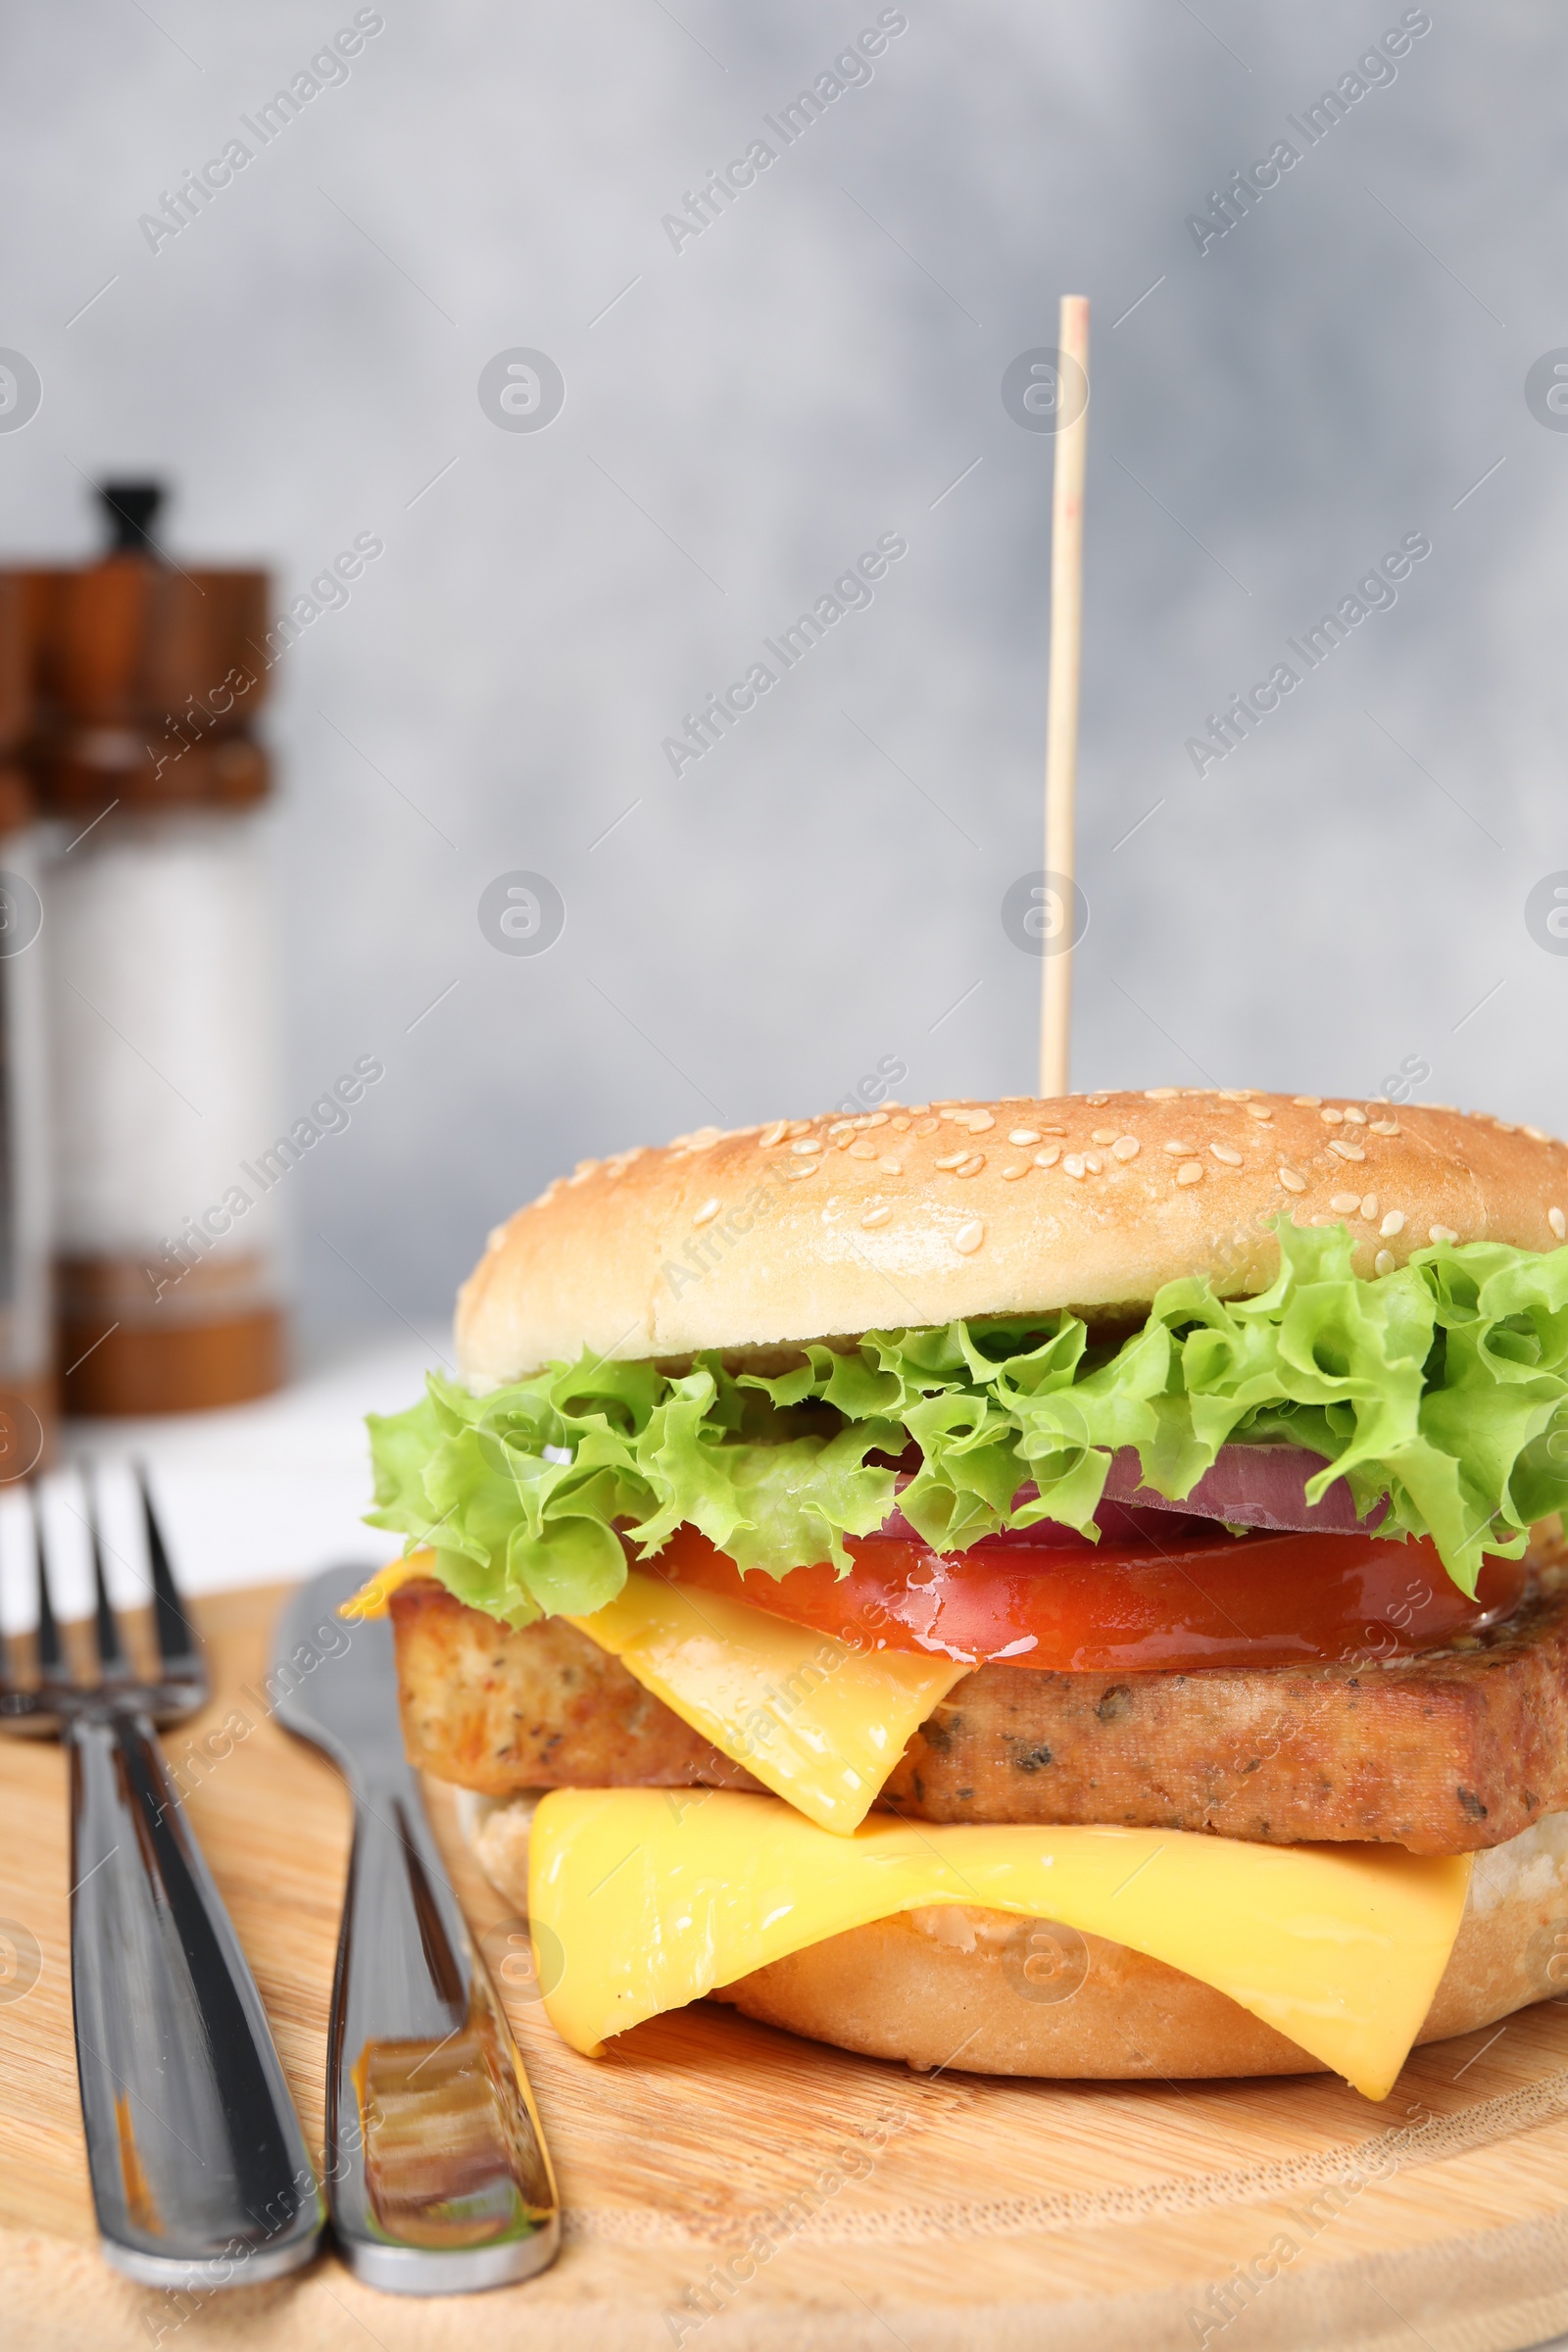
x=436 y=2170
x=200 y=2172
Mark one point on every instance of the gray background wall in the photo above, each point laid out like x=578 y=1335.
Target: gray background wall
x=744 y=417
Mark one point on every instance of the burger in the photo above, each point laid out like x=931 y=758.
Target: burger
x=1061 y=1588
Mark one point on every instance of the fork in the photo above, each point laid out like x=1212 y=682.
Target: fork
x=200 y=2173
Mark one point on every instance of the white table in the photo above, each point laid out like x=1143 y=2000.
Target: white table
x=251 y=1494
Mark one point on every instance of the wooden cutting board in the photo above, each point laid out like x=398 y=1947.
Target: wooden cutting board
x=935 y=2212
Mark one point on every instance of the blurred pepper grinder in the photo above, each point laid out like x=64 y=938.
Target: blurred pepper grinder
x=27 y=1393
x=161 y=977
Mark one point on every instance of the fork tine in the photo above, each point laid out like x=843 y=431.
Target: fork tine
x=176 y=1637
x=51 y=1664
x=111 y=1653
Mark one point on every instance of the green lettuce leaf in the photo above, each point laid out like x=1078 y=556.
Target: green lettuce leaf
x=1440 y=1390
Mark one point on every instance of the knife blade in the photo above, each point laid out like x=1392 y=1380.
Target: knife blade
x=437 y=2175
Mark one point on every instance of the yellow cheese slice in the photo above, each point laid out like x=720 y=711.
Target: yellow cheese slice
x=813 y=1719
x=373 y=1598
x=653 y=1897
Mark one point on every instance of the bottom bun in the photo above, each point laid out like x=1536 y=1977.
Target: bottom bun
x=990 y=1993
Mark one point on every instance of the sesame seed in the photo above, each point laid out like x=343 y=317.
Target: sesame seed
x=795 y=1127
x=928 y=1127
x=1259 y=1111
x=1347 y=1204
x=1369 y=1207
x=1011 y=1175
x=1502 y=1126
x=1384 y=1126
x=841 y=1126
x=1225 y=1156
x=1384 y=1262
x=1332 y=1117
x=808 y=1167
x=1558 y=1222
x=1104 y=1135
x=968 y=1237
x=806 y=1145
x=888 y=1165
x=498 y=1234
x=973 y=1164
x=1124 y=1148
x=901 y=1125
x=1095 y=1102
x=978 y=1121
x=1337 y=1143
x=1072 y=1165
x=1191 y=1171
x=872 y=1118
x=1306 y=1102
x=1537 y=1135
x=1292 y=1180
x=1356 y=1118
x=1049 y=1157
x=706 y=1213
x=877 y=1216
x=1179 y=1150
x=1235 y=1093
x=861 y=1148
x=1161 y=1093
x=773 y=1135
x=1092 y=1162
x=952 y=1159
x=1023 y=1135
x=1392 y=1224
x=1442 y=1233
x=842 y=1142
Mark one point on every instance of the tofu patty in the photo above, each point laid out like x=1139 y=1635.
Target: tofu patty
x=1451 y=1751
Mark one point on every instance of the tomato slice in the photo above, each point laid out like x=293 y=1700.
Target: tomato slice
x=1145 y=1601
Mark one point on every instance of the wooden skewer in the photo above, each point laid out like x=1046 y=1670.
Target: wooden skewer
x=1062 y=717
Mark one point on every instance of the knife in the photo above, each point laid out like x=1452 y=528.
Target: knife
x=437 y=2175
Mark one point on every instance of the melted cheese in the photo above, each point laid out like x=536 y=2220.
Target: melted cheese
x=814 y=1720
x=655 y=1896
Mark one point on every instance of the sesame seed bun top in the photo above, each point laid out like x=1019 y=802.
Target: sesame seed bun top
x=820 y=1228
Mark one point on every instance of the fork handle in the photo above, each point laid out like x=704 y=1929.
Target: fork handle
x=200 y=2172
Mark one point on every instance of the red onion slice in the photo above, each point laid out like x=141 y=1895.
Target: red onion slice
x=1250 y=1486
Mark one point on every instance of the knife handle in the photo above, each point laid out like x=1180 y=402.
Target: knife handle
x=437 y=2173
x=200 y=2172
